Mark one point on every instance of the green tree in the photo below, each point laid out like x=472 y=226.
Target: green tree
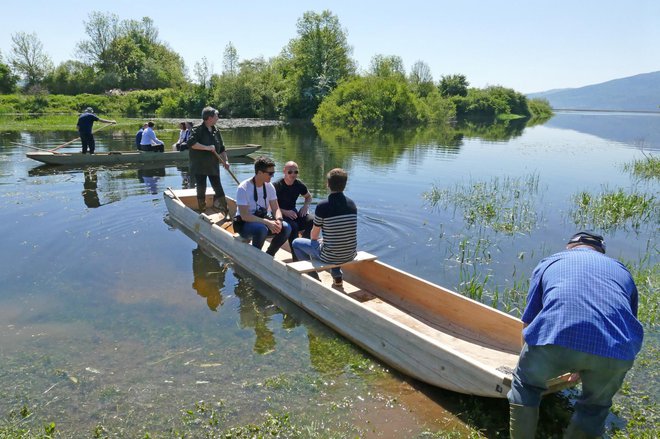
x=385 y=66
x=7 y=78
x=102 y=30
x=71 y=78
x=421 y=79
x=315 y=63
x=29 y=59
x=230 y=60
x=203 y=71
x=454 y=85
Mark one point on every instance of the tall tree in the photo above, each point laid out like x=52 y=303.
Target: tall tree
x=230 y=60
x=385 y=66
x=102 y=29
x=454 y=85
x=203 y=71
x=29 y=59
x=317 y=61
x=421 y=79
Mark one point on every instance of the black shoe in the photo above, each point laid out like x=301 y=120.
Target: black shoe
x=337 y=282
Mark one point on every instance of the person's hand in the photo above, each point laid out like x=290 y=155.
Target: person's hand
x=274 y=226
x=291 y=214
x=303 y=211
x=226 y=165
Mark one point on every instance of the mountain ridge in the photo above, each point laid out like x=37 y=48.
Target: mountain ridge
x=633 y=93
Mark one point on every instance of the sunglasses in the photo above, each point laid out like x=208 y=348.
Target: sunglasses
x=292 y=172
x=269 y=173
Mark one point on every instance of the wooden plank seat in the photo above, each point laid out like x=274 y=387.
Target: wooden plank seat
x=315 y=265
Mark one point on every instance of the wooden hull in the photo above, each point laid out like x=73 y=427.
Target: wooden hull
x=419 y=328
x=113 y=158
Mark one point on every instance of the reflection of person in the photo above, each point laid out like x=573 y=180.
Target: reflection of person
x=288 y=189
x=138 y=135
x=206 y=150
x=255 y=311
x=150 y=178
x=90 y=196
x=336 y=218
x=149 y=141
x=581 y=316
x=209 y=278
x=254 y=198
x=85 y=123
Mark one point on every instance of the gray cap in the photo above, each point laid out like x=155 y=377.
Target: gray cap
x=89 y=110
x=588 y=238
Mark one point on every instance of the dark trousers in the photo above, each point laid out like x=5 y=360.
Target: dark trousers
x=200 y=181
x=152 y=148
x=87 y=142
x=301 y=224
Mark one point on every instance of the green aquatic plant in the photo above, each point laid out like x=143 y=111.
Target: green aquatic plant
x=503 y=204
x=613 y=210
x=647 y=168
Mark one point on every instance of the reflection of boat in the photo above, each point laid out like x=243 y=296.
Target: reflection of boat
x=421 y=329
x=118 y=157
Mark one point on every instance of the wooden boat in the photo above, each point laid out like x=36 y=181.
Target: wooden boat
x=421 y=329
x=119 y=157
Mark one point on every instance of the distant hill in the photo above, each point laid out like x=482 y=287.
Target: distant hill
x=634 y=93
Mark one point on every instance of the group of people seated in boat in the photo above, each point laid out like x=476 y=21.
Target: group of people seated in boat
x=269 y=209
x=146 y=140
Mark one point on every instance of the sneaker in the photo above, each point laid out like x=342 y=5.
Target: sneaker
x=337 y=282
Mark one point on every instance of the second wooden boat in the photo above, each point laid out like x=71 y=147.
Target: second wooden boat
x=119 y=157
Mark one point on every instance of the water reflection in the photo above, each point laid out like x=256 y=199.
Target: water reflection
x=150 y=177
x=90 y=196
x=255 y=311
x=209 y=278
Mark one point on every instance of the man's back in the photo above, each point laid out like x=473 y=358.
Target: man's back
x=85 y=122
x=337 y=218
x=586 y=301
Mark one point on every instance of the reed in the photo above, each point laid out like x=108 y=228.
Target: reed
x=647 y=168
x=613 y=210
x=504 y=204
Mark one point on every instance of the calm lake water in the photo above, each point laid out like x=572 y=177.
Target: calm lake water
x=112 y=320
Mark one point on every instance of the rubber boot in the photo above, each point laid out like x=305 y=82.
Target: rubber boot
x=201 y=203
x=575 y=432
x=522 y=421
x=220 y=205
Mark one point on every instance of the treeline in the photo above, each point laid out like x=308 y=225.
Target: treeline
x=124 y=68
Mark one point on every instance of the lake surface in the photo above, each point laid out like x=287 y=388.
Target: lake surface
x=112 y=320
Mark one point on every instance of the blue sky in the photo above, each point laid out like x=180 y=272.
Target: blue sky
x=526 y=45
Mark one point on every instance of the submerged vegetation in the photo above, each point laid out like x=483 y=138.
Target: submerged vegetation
x=503 y=204
x=611 y=210
x=647 y=168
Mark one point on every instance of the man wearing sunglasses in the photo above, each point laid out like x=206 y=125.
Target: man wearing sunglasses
x=259 y=213
x=288 y=189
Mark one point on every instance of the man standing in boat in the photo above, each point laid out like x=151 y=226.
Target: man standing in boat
x=254 y=198
x=581 y=316
x=336 y=219
x=288 y=189
x=85 y=123
x=207 y=151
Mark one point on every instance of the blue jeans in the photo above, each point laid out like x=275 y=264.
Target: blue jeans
x=306 y=249
x=258 y=232
x=601 y=379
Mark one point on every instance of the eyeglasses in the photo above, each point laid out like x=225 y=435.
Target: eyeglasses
x=292 y=172
x=269 y=173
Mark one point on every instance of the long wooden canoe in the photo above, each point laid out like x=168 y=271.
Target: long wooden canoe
x=421 y=329
x=118 y=157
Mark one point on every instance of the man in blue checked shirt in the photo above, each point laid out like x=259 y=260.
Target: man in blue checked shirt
x=581 y=316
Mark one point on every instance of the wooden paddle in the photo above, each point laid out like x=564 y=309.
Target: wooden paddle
x=78 y=138
x=223 y=163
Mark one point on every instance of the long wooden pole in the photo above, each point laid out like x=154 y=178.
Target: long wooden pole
x=223 y=164
x=78 y=138
x=31 y=146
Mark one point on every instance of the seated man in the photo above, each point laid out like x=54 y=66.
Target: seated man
x=288 y=189
x=254 y=197
x=149 y=141
x=336 y=218
x=138 y=136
